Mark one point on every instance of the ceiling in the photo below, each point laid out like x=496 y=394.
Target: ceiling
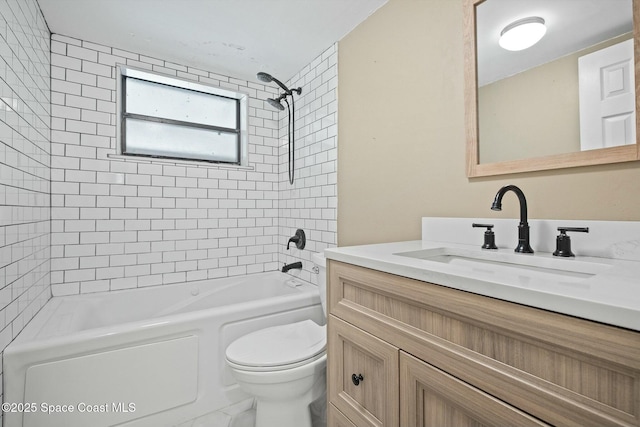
x=572 y=25
x=231 y=37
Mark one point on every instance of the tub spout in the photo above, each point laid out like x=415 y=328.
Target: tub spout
x=291 y=266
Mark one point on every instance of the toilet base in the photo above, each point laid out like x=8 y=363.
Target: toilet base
x=283 y=397
x=273 y=415
x=294 y=412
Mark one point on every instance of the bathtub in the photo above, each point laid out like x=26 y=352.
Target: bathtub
x=146 y=357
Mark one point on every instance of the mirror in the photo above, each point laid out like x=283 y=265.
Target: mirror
x=510 y=131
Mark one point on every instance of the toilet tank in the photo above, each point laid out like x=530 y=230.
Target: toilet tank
x=320 y=261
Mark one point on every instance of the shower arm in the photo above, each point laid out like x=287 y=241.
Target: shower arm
x=279 y=83
x=287 y=91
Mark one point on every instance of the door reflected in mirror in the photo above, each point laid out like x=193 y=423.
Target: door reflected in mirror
x=559 y=103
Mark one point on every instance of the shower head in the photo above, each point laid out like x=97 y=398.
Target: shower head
x=275 y=103
x=264 y=77
x=268 y=78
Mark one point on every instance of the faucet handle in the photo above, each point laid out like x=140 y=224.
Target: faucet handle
x=300 y=239
x=563 y=242
x=563 y=230
x=488 y=226
x=489 y=236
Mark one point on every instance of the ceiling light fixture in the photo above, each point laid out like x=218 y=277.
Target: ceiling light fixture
x=522 y=33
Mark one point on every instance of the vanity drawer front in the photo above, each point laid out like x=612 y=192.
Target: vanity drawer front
x=335 y=418
x=431 y=397
x=561 y=369
x=372 y=399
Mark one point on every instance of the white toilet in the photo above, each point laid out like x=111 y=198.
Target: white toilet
x=284 y=366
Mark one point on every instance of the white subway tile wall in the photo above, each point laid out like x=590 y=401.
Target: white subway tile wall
x=120 y=223
x=24 y=166
x=311 y=202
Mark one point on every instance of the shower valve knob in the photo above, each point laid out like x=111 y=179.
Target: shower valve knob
x=300 y=239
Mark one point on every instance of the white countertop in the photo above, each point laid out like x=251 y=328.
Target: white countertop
x=611 y=296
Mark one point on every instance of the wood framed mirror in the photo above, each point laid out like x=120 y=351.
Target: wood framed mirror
x=510 y=130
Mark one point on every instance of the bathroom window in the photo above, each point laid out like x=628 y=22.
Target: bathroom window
x=170 y=118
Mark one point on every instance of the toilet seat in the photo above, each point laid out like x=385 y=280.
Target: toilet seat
x=278 y=347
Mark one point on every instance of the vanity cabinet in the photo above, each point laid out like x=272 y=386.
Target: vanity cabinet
x=435 y=356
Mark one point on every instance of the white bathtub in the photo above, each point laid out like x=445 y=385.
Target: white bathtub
x=145 y=357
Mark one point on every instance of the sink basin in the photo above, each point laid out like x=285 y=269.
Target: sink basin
x=522 y=266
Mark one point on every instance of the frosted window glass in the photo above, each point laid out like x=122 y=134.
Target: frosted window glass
x=168 y=102
x=183 y=142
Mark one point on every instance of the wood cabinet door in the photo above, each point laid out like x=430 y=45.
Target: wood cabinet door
x=371 y=399
x=431 y=397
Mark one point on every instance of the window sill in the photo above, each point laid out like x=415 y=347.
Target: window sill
x=177 y=162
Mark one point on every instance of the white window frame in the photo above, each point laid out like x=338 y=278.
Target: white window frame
x=242 y=98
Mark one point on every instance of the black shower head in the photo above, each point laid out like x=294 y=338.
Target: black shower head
x=275 y=103
x=268 y=78
x=264 y=77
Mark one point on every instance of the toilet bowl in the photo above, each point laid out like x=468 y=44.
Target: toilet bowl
x=283 y=367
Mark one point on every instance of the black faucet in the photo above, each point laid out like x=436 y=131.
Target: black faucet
x=291 y=266
x=523 y=228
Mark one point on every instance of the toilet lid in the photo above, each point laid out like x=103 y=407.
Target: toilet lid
x=279 y=345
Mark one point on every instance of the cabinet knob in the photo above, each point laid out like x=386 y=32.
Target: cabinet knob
x=356 y=379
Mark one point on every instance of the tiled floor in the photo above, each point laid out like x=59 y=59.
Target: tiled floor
x=241 y=414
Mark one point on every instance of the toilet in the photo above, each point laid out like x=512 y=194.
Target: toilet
x=284 y=367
